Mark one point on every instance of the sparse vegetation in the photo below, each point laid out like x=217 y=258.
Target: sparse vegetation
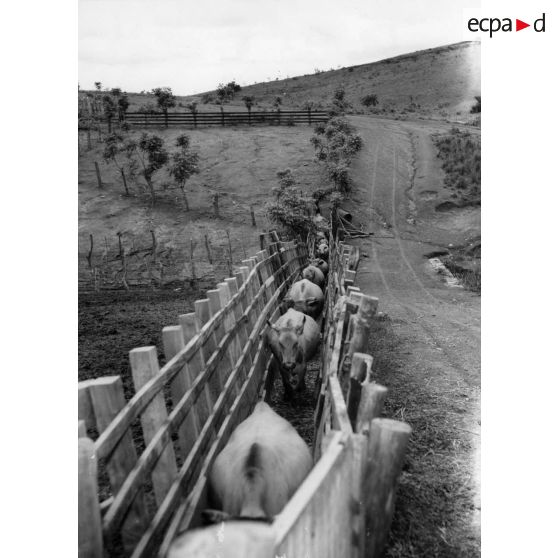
x=153 y=157
x=339 y=103
x=116 y=146
x=165 y=100
x=290 y=210
x=336 y=143
x=370 y=100
x=184 y=164
x=461 y=156
x=227 y=92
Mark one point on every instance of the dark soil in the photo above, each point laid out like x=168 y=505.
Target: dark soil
x=113 y=323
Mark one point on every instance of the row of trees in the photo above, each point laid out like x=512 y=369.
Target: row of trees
x=147 y=156
x=336 y=143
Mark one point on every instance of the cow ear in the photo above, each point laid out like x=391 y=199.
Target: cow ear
x=300 y=328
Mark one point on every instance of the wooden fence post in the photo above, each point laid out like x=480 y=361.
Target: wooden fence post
x=90 y=534
x=387 y=443
x=360 y=365
x=123 y=174
x=253 y=216
x=173 y=343
x=107 y=398
x=371 y=403
x=144 y=365
x=208 y=250
x=190 y=328
x=192 y=264
x=358 y=331
x=99 y=181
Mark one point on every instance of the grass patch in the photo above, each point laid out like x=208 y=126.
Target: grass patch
x=465 y=263
x=434 y=500
x=461 y=160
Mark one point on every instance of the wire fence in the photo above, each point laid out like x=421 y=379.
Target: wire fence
x=149 y=259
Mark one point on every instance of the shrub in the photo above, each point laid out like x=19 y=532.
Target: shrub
x=369 y=100
x=290 y=208
x=183 y=165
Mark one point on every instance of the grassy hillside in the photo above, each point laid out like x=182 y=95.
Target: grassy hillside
x=439 y=82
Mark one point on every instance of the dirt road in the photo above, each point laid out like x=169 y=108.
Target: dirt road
x=432 y=361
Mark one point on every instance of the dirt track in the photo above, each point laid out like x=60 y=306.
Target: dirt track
x=434 y=377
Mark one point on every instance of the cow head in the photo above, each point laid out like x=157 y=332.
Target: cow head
x=286 y=346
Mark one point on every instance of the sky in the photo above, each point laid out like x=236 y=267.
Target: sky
x=192 y=46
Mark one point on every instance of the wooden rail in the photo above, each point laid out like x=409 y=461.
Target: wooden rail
x=278 y=117
x=217 y=367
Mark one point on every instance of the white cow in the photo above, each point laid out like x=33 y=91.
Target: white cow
x=306 y=297
x=293 y=339
x=260 y=468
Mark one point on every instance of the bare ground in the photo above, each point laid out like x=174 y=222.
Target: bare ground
x=427 y=348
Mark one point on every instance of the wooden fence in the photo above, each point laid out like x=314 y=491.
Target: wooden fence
x=218 y=367
x=202 y=119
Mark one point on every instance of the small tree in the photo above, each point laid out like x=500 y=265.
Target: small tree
x=109 y=110
x=183 y=165
x=153 y=157
x=227 y=92
x=339 y=104
x=369 y=100
x=249 y=102
x=193 y=108
x=277 y=102
x=114 y=146
x=122 y=102
x=233 y=88
x=165 y=100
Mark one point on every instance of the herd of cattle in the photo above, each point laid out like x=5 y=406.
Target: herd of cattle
x=265 y=459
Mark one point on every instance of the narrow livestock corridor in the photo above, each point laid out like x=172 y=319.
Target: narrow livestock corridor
x=427 y=349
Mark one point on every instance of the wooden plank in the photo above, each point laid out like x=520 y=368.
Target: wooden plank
x=190 y=328
x=387 y=443
x=234 y=350
x=90 y=534
x=85 y=408
x=145 y=367
x=173 y=343
x=339 y=409
x=107 y=398
x=285 y=521
x=360 y=365
x=82 y=430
